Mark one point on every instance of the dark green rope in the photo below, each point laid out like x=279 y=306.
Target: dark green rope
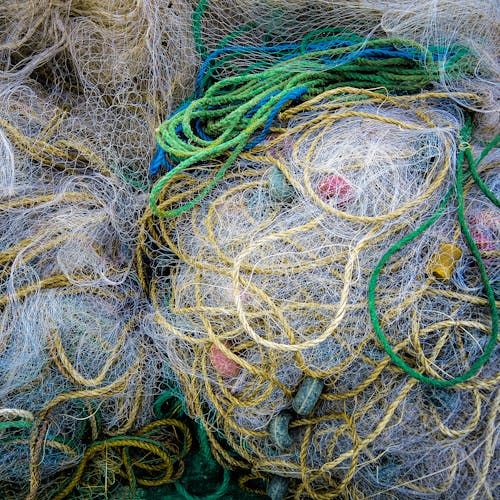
x=472 y=167
x=207 y=457
x=458 y=189
x=177 y=407
x=196 y=19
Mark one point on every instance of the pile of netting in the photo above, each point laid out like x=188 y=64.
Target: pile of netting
x=79 y=371
x=271 y=288
x=306 y=265
x=82 y=86
x=323 y=259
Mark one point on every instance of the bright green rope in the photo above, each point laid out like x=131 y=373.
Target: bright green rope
x=477 y=365
x=225 y=118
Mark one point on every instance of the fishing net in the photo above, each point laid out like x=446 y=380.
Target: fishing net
x=117 y=68
x=269 y=285
x=79 y=368
x=443 y=24
x=299 y=299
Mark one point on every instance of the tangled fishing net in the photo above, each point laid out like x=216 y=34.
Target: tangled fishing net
x=308 y=269
x=272 y=277
x=117 y=67
x=77 y=365
x=335 y=244
x=79 y=373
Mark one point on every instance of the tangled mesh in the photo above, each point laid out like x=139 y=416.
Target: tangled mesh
x=78 y=363
x=82 y=87
x=115 y=68
x=263 y=282
x=432 y=23
x=271 y=269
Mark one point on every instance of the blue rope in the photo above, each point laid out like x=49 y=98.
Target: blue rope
x=291 y=96
x=297 y=49
x=159 y=160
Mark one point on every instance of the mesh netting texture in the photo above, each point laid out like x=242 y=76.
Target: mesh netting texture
x=249 y=248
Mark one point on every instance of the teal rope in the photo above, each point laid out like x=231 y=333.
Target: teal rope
x=481 y=361
x=167 y=396
x=175 y=395
x=207 y=455
x=196 y=18
x=16 y=424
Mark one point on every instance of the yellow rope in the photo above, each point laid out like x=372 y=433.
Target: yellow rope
x=236 y=327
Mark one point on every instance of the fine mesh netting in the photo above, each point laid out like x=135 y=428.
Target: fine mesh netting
x=318 y=219
x=273 y=268
x=117 y=66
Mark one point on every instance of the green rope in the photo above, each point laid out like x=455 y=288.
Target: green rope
x=16 y=424
x=458 y=189
x=207 y=456
x=177 y=405
x=232 y=114
x=313 y=36
x=472 y=167
x=169 y=396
